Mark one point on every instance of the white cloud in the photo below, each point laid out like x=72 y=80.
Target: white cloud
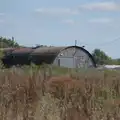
x=68 y=21
x=103 y=6
x=101 y=20
x=57 y=11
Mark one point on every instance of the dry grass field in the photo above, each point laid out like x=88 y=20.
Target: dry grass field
x=51 y=93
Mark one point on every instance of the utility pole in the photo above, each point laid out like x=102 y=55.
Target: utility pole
x=75 y=42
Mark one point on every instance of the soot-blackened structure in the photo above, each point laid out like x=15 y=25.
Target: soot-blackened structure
x=71 y=56
x=17 y=56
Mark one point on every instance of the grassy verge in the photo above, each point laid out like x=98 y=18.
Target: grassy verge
x=52 y=93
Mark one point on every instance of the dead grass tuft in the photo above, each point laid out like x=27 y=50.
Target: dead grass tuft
x=32 y=93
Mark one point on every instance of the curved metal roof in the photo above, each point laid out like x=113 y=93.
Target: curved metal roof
x=47 y=50
x=22 y=51
x=92 y=58
x=56 y=50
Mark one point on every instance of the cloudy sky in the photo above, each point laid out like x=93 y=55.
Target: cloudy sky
x=93 y=23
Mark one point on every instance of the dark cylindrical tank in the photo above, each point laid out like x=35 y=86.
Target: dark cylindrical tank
x=21 y=56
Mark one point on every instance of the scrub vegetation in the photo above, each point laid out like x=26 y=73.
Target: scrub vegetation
x=51 y=93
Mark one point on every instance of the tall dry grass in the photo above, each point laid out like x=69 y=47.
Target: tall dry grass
x=40 y=93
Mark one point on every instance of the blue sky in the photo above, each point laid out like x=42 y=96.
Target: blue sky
x=92 y=23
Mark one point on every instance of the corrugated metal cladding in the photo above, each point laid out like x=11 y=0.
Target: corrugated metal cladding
x=61 y=56
x=45 y=54
x=74 y=57
x=70 y=56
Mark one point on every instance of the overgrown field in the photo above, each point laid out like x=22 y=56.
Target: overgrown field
x=51 y=93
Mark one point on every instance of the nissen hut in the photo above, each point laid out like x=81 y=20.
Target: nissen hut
x=71 y=56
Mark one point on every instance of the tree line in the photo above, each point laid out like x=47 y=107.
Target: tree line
x=100 y=57
x=7 y=42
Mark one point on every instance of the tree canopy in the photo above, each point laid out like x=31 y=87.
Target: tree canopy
x=102 y=58
x=6 y=42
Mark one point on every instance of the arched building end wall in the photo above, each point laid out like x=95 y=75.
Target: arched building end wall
x=74 y=57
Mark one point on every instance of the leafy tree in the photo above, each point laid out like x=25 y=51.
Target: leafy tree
x=5 y=42
x=101 y=58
